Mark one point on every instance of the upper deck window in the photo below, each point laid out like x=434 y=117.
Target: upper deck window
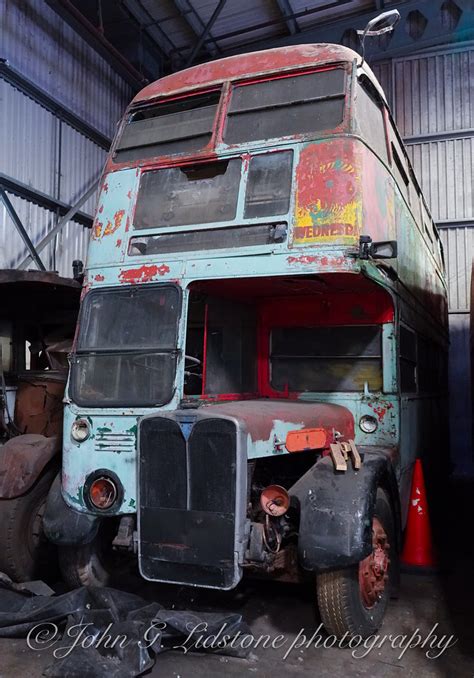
x=180 y=126
x=285 y=106
x=193 y=194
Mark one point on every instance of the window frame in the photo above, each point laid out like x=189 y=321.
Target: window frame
x=346 y=67
x=133 y=110
x=107 y=351
x=379 y=357
x=239 y=219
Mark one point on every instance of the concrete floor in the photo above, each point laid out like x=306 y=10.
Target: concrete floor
x=285 y=609
x=271 y=608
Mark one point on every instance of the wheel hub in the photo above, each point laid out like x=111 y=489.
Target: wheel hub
x=373 y=570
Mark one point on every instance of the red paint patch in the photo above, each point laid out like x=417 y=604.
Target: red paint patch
x=129 y=195
x=118 y=243
x=99 y=278
x=143 y=274
x=381 y=410
x=127 y=224
x=105 y=187
x=101 y=208
x=232 y=68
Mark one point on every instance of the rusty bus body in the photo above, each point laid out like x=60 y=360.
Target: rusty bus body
x=256 y=367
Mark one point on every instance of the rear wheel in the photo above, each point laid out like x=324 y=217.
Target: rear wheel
x=353 y=600
x=25 y=553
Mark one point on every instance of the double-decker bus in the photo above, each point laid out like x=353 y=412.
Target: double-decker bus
x=260 y=353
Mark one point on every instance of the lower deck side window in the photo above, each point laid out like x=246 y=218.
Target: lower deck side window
x=326 y=358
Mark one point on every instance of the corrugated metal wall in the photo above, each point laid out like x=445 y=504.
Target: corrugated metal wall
x=432 y=99
x=39 y=149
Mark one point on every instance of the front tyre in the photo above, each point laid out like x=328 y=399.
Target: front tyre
x=96 y=563
x=83 y=565
x=353 y=600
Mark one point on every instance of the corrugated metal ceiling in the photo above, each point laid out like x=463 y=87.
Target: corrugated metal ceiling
x=170 y=29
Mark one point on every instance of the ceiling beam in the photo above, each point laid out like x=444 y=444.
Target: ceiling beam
x=403 y=40
x=287 y=10
x=92 y=35
x=153 y=29
x=205 y=33
x=188 y=12
x=42 y=199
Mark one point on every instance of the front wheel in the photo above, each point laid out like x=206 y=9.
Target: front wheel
x=96 y=563
x=353 y=600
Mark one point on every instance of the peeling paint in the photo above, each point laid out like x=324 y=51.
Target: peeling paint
x=143 y=274
x=118 y=216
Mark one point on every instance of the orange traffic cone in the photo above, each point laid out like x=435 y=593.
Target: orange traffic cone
x=418 y=547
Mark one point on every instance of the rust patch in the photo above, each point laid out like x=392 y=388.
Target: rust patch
x=305 y=260
x=143 y=274
x=97 y=230
x=118 y=216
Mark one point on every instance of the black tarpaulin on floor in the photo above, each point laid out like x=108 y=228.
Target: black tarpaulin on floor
x=92 y=632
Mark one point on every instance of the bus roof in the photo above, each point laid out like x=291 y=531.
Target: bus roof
x=252 y=63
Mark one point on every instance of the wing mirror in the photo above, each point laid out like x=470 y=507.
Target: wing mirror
x=382 y=23
x=382 y=249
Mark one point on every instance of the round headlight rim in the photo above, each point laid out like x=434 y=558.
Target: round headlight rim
x=81 y=422
x=371 y=420
x=108 y=474
x=108 y=480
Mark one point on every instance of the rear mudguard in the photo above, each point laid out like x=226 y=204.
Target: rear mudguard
x=337 y=510
x=64 y=526
x=22 y=460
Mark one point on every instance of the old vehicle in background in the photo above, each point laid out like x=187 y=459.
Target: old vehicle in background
x=38 y=313
x=262 y=340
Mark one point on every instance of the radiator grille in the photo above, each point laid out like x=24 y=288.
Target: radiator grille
x=187 y=511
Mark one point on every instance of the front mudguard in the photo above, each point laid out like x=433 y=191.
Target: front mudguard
x=64 y=526
x=22 y=460
x=336 y=510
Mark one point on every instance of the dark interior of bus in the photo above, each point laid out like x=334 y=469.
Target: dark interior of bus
x=280 y=336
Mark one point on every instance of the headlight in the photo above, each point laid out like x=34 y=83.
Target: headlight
x=103 y=493
x=368 y=424
x=80 y=430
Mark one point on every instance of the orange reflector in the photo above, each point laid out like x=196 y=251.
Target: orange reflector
x=306 y=439
x=103 y=493
x=275 y=500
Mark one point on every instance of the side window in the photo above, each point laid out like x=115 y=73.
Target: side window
x=408 y=360
x=6 y=345
x=431 y=366
x=399 y=170
x=268 y=185
x=342 y=358
x=369 y=116
x=427 y=227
